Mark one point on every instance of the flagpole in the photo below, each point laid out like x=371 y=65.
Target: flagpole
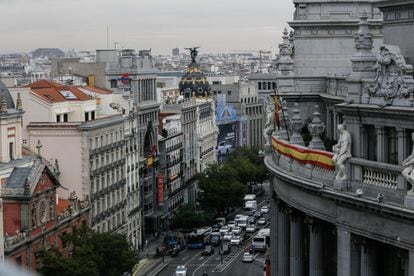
x=283 y=114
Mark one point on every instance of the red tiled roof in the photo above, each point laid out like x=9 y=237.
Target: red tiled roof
x=62 y=205
x=97 y=89
x=51 y=91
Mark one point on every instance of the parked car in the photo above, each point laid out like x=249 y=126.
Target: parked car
x=264 y=210
x=228 y=236
x=223 y=230
x=247 y=257
x=231 y=224
x=257 y=214
x=181 y=270
x=226 y=248
x=224 y=148
x=236 y=230
x=251 y=220
x=261 y=221
x=236 y=240
x=208 y=250
x=251 y=228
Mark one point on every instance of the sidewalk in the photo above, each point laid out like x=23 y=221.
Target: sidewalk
x=149 y=265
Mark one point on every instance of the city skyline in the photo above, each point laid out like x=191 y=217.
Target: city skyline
x=160 y=25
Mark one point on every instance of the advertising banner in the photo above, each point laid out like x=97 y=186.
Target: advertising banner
x=160 y=189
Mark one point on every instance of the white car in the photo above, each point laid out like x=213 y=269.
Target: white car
x=261 y=221
x=224 y=148
x=236 y=240
x=264 y=210
x=225 y=229
x=250 y=228
x=236 y=230
x=228 y=236
x=247 y=257
x=231 y=224
x=181 y=270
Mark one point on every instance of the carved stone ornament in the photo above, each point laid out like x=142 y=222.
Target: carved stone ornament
x=286 y=48
x=342 y=152
x=408 y=172
x=363 y=38
x=389 y=81
x=316 y=128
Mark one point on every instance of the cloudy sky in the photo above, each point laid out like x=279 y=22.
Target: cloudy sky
x=214 y=25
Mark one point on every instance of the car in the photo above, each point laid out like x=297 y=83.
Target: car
x=238 y=216
x=228 y=236
x=224 y=148
x=247 y=257
x=215 y=227
x=264 y=210
x=208 y=250
x=257 y=214
x=236 y=240
x=225 y=229
x=251 y=220
x=181 y=270
x=231 y=224
x=236 y=230
x=251 y=228
x=261 y=221
x=225 y=248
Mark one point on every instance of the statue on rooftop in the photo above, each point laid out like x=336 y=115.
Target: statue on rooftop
x=193 y=53
x=408 y=172
x=342 y=151
x=269 y=126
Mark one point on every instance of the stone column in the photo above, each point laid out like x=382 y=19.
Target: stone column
x=411 y=263
x=379 y=130
x=296 y=245
x=273 y=233
x=368 y=259
x=343 y=252
x=283 y=241
x=402 y=145
x=316 y=258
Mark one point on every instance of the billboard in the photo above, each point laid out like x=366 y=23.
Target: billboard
x=160 y=189
x=227 y=132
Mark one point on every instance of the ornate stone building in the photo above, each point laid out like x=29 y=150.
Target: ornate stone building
x=347 y=210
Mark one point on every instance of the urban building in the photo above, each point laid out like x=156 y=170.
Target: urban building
x=47 y=53
x=344 y=209
x=175 y=51
x=33 y=217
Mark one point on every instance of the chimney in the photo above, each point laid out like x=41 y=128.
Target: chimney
x=19 y=102
x=3 y=104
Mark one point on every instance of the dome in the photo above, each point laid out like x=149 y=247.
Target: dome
x=5 y=92
x=194 y=82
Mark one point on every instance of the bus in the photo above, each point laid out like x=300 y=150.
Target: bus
x=242 y=221
x=261 y=241
x=199 y=238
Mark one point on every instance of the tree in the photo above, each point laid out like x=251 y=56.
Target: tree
x=92 y=253
x=188 y=217
x=220 y=188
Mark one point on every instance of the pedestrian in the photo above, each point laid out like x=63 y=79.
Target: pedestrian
x=205 y=273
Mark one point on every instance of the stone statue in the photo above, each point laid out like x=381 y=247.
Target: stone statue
x=269 y=126
x=342 y=151
x=193 y=53
x=408 y=172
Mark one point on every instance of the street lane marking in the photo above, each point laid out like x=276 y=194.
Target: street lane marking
x=185 y=258
x=203 y=264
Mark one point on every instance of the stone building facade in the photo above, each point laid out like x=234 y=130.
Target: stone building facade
x=358 y=223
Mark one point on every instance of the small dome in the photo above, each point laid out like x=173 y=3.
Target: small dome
x=5 y=92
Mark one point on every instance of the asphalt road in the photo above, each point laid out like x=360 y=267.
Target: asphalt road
x=230 y=264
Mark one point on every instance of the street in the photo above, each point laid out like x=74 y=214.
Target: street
x=229 y=264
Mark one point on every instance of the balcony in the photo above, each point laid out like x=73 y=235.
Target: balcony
x=365 y=179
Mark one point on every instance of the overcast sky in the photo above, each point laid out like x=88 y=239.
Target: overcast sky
x=214 y=25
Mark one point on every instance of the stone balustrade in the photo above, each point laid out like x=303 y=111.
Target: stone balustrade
x=10 y=241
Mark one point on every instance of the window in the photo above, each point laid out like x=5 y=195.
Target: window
x=86 y=116
x=93 y=115
x=229 y=92
x=392 y=145
x=65 y=117
x=11 y=152
x=260 y=85
x=114 y=84
x=372 y=145
x=58 y=118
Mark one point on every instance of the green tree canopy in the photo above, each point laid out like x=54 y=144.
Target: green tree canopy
x=188 y=217
x=93 y=253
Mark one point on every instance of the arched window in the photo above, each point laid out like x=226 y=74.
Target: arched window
x=260 y=85
x=269 y=85
x=274 y=85
x=264 y=86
